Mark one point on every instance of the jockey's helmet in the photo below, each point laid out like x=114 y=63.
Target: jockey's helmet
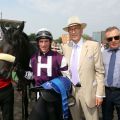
x=44 y=33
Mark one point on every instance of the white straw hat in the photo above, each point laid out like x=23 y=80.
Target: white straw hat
x=72 y=21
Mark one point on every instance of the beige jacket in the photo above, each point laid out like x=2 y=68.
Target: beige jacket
x=90 y=69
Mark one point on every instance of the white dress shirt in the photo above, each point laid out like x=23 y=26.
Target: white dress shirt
x=79 y=47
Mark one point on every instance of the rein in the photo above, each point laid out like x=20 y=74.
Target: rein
x=11 y=69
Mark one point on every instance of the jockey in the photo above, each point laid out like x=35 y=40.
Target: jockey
x=46 y=65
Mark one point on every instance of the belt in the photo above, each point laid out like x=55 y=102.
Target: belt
x=78 y=85
x=113 y=88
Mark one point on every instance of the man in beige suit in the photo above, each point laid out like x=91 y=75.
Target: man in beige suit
x=87 y=73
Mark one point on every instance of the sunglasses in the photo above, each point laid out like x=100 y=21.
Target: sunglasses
x=117 y=37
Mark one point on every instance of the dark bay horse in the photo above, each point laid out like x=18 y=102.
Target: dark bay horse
x=16 y=43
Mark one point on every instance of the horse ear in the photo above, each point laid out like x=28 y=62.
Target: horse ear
x=4 y=30
x=21 y=27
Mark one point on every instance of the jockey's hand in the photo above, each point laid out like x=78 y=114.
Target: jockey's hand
x=28 y=75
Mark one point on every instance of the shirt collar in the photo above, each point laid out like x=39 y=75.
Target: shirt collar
x=79 y=44
x=109 y=49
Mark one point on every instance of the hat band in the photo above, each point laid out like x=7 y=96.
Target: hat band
x=72 y=24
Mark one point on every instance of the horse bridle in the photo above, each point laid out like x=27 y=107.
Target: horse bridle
x=8 y=58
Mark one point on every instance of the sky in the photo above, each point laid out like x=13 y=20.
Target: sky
x=54 y=14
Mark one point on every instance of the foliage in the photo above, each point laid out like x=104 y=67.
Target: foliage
x=86 y=37
x=32 y=37
x=59 y=40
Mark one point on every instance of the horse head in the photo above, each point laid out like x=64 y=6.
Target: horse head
x=16 y=43
x=6 y=52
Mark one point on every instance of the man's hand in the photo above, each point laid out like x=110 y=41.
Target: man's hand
x=99 y=101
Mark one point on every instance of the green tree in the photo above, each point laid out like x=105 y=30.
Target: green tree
x=59 y=40
x=86 y=37
x=32 y=37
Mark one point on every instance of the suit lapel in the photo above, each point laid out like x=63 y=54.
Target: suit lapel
x=83 y=54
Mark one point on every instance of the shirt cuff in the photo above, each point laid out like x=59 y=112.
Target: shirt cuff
x=100 y=96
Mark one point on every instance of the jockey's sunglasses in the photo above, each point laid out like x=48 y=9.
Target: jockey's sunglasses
x=109 y=39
